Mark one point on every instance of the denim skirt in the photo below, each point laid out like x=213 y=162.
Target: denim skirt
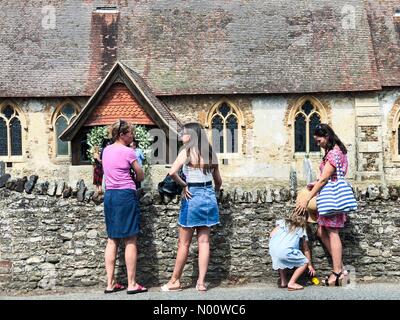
x=200 y=210
x=122 y=213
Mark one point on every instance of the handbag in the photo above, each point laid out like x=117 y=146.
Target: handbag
x=169 y=187
x=336 y=196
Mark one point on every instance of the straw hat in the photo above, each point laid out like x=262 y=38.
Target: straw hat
x=311 y=207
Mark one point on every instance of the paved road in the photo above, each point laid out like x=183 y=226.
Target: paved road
x=358 y=291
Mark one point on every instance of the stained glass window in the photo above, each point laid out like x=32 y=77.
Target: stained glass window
x=16 y=137
x=314 y=121
x=3 y=138
x=8 y=112
x=300 y=133
x=224 y=109
x=307 y=107
x=10 y=132
x=68 y=111
x=225 y=130
x=217 y=134
x=398 y=140
x=62 y=146
x=65 y=115
x=232 y=134
x=306 y=119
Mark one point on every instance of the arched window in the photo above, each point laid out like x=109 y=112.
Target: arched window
x=63 y=117
x=225 y=129
x=306 y=119
x=10 y=131
x=398 y=138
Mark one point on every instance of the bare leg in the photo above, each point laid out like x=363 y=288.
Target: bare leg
x=110 y=256
x=336 y=252
x=185 y=238
x=283 y=277
x=203 y=238
x=323 y=234
x=292 y=282
x=131 y=261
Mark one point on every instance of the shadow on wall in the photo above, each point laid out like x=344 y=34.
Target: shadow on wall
x=220 y=251
x=148 y=261
x=147 y=268
x=321 y=259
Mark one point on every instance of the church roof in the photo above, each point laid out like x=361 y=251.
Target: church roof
x=199 y=47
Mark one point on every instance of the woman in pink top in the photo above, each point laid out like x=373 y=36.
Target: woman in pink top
x=329 y=226
x=121 y=206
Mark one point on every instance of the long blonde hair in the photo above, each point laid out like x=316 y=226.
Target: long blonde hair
x=295 y=221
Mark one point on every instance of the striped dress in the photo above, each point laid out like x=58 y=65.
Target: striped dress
x=337 y=220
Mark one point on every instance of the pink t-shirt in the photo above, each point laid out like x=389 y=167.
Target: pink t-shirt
x=117 y=161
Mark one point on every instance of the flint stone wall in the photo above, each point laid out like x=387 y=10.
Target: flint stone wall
x=52 y=238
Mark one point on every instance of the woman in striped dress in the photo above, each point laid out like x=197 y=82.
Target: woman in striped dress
x=329 y=226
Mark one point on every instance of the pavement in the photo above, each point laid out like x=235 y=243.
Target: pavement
x=253 y=291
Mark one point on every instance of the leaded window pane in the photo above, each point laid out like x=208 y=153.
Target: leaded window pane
x=232 y=132
x=300 y=133
x=314 y=121
x=62 y=146
x=307 y=107
x=224 y=109
x=3 y=138
x=398 y=140
x=8 y=112
x=16 y=137
x=68 y=110
x=217 y=127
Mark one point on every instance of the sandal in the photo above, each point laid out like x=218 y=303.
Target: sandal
x=201 y=287
x=295 y=288
x=117 y=287
x=346 y=276
x=338 y=280
x=166 y=288
x=139 y=289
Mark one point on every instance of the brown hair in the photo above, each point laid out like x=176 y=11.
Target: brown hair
x=118 y=127
x=325 y=131
x=201 y=146
x=296 y=221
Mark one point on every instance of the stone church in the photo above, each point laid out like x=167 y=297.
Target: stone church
x=259 y=75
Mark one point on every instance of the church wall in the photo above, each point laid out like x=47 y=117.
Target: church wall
x=267 y=149
x=390 y=105
x=39 y=138
x=266 y=146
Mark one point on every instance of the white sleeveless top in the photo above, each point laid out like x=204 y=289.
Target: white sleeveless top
x=194 y=175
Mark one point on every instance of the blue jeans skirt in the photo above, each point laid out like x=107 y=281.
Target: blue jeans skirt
x=122 y=213
x=200 y=210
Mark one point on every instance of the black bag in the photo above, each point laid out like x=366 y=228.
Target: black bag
x=169 y=187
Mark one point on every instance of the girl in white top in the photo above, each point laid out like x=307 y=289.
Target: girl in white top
x=199 y=208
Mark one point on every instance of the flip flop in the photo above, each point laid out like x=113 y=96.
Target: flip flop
x=139 y=289
x=165 y=288
x=117 y=287
x=198 y=286
x=294 y=289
